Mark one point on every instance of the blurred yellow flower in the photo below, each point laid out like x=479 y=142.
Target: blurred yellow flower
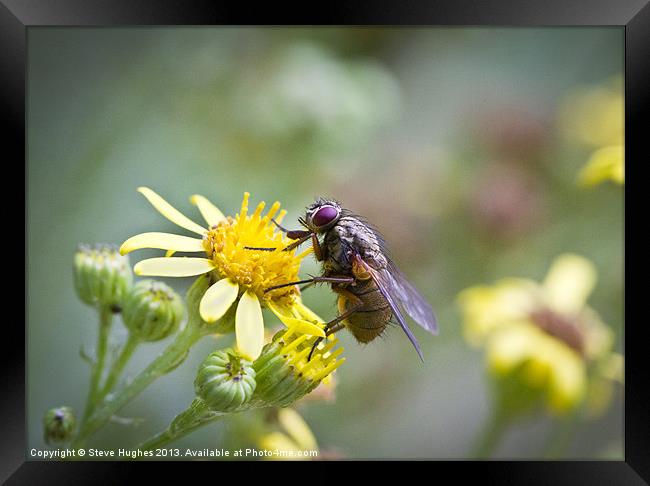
x=545 y=334
x=239 y=274
x=604 y=164
x=595 y=117
x=293 y=440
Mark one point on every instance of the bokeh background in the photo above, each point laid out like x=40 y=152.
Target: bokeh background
x=453 y=141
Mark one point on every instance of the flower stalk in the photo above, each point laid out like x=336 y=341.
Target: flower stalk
x=165 y=362
x=512 y=400
x=94 y=392
x=228 y=295
x=491 y=435
x=561 y=437
x=278 y=378
x=195 y=416
x=121 y=361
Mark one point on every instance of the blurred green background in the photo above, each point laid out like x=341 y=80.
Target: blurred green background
x=446 y=138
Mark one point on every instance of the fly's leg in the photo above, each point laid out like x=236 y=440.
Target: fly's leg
x=305 y=287
x=303 y=236
x=313 y=348
x=336 y=324
x=318 y=251
x=299 y=241
x=299 y=235
x=335 y=328
x=314 y=280
x=282 y=228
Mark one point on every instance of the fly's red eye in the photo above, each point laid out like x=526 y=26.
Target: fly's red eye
x=324 y=216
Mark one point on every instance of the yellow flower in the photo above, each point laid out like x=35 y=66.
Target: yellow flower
x=595 y=117
x=293 y=440
x=286 y=373
x=239 y=274
x=606 y=163
x=544 y=332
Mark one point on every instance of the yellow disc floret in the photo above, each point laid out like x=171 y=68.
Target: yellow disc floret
x=244 y=256
x=229 y=245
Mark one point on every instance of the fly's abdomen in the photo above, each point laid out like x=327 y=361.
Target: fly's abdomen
x=370 y=320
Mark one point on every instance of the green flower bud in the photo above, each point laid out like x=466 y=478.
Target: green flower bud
x=225 y=381
x=101 y=275
x=152 y=310
x=59 y=424
x=284 y=371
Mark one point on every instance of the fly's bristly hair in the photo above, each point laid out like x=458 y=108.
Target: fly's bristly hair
x=323 y=201
x=346 y=213
x=350 y=242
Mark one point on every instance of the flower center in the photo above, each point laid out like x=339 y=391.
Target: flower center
x=565 y=328
x=255 y=270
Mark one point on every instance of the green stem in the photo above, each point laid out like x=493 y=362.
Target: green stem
x=491 y=435
x=197 y=415
x=124 y=357
x=560 y=439
x=165 y=362
x=105 y=320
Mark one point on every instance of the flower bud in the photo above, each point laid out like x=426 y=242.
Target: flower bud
x=225 y=381
x=59 y=425
x=101 y=275
x=152 y=310
x=285 y=373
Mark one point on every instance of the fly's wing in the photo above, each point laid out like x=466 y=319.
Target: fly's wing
x=401 y=290
x=410 y=299
x=385 y=286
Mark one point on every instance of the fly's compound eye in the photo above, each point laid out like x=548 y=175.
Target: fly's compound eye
x=324 y=216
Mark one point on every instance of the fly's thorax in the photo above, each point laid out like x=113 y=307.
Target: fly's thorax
x=352 y=235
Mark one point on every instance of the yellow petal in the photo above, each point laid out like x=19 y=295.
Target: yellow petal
x=604 y=164
x=297 y=428
x=169 y=212
x=249 y=326
x=595 y=116
x=509 y=347
x=306 y=312
x=306 y=251
x=487 y=308
x=218 y=299
x=568 y=383
x=598 y=396
x=612 y=367
x=600 y=336
x=299 y=325
x=209 y=211
x=277 y=441
x=164 y=241
x=536 y=371
x=569 y=282
x=173 y=267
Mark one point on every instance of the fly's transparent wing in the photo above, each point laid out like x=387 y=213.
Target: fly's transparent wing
x=385 y=286
x=410 y=299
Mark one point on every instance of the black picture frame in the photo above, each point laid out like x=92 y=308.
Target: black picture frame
x=17 y=16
